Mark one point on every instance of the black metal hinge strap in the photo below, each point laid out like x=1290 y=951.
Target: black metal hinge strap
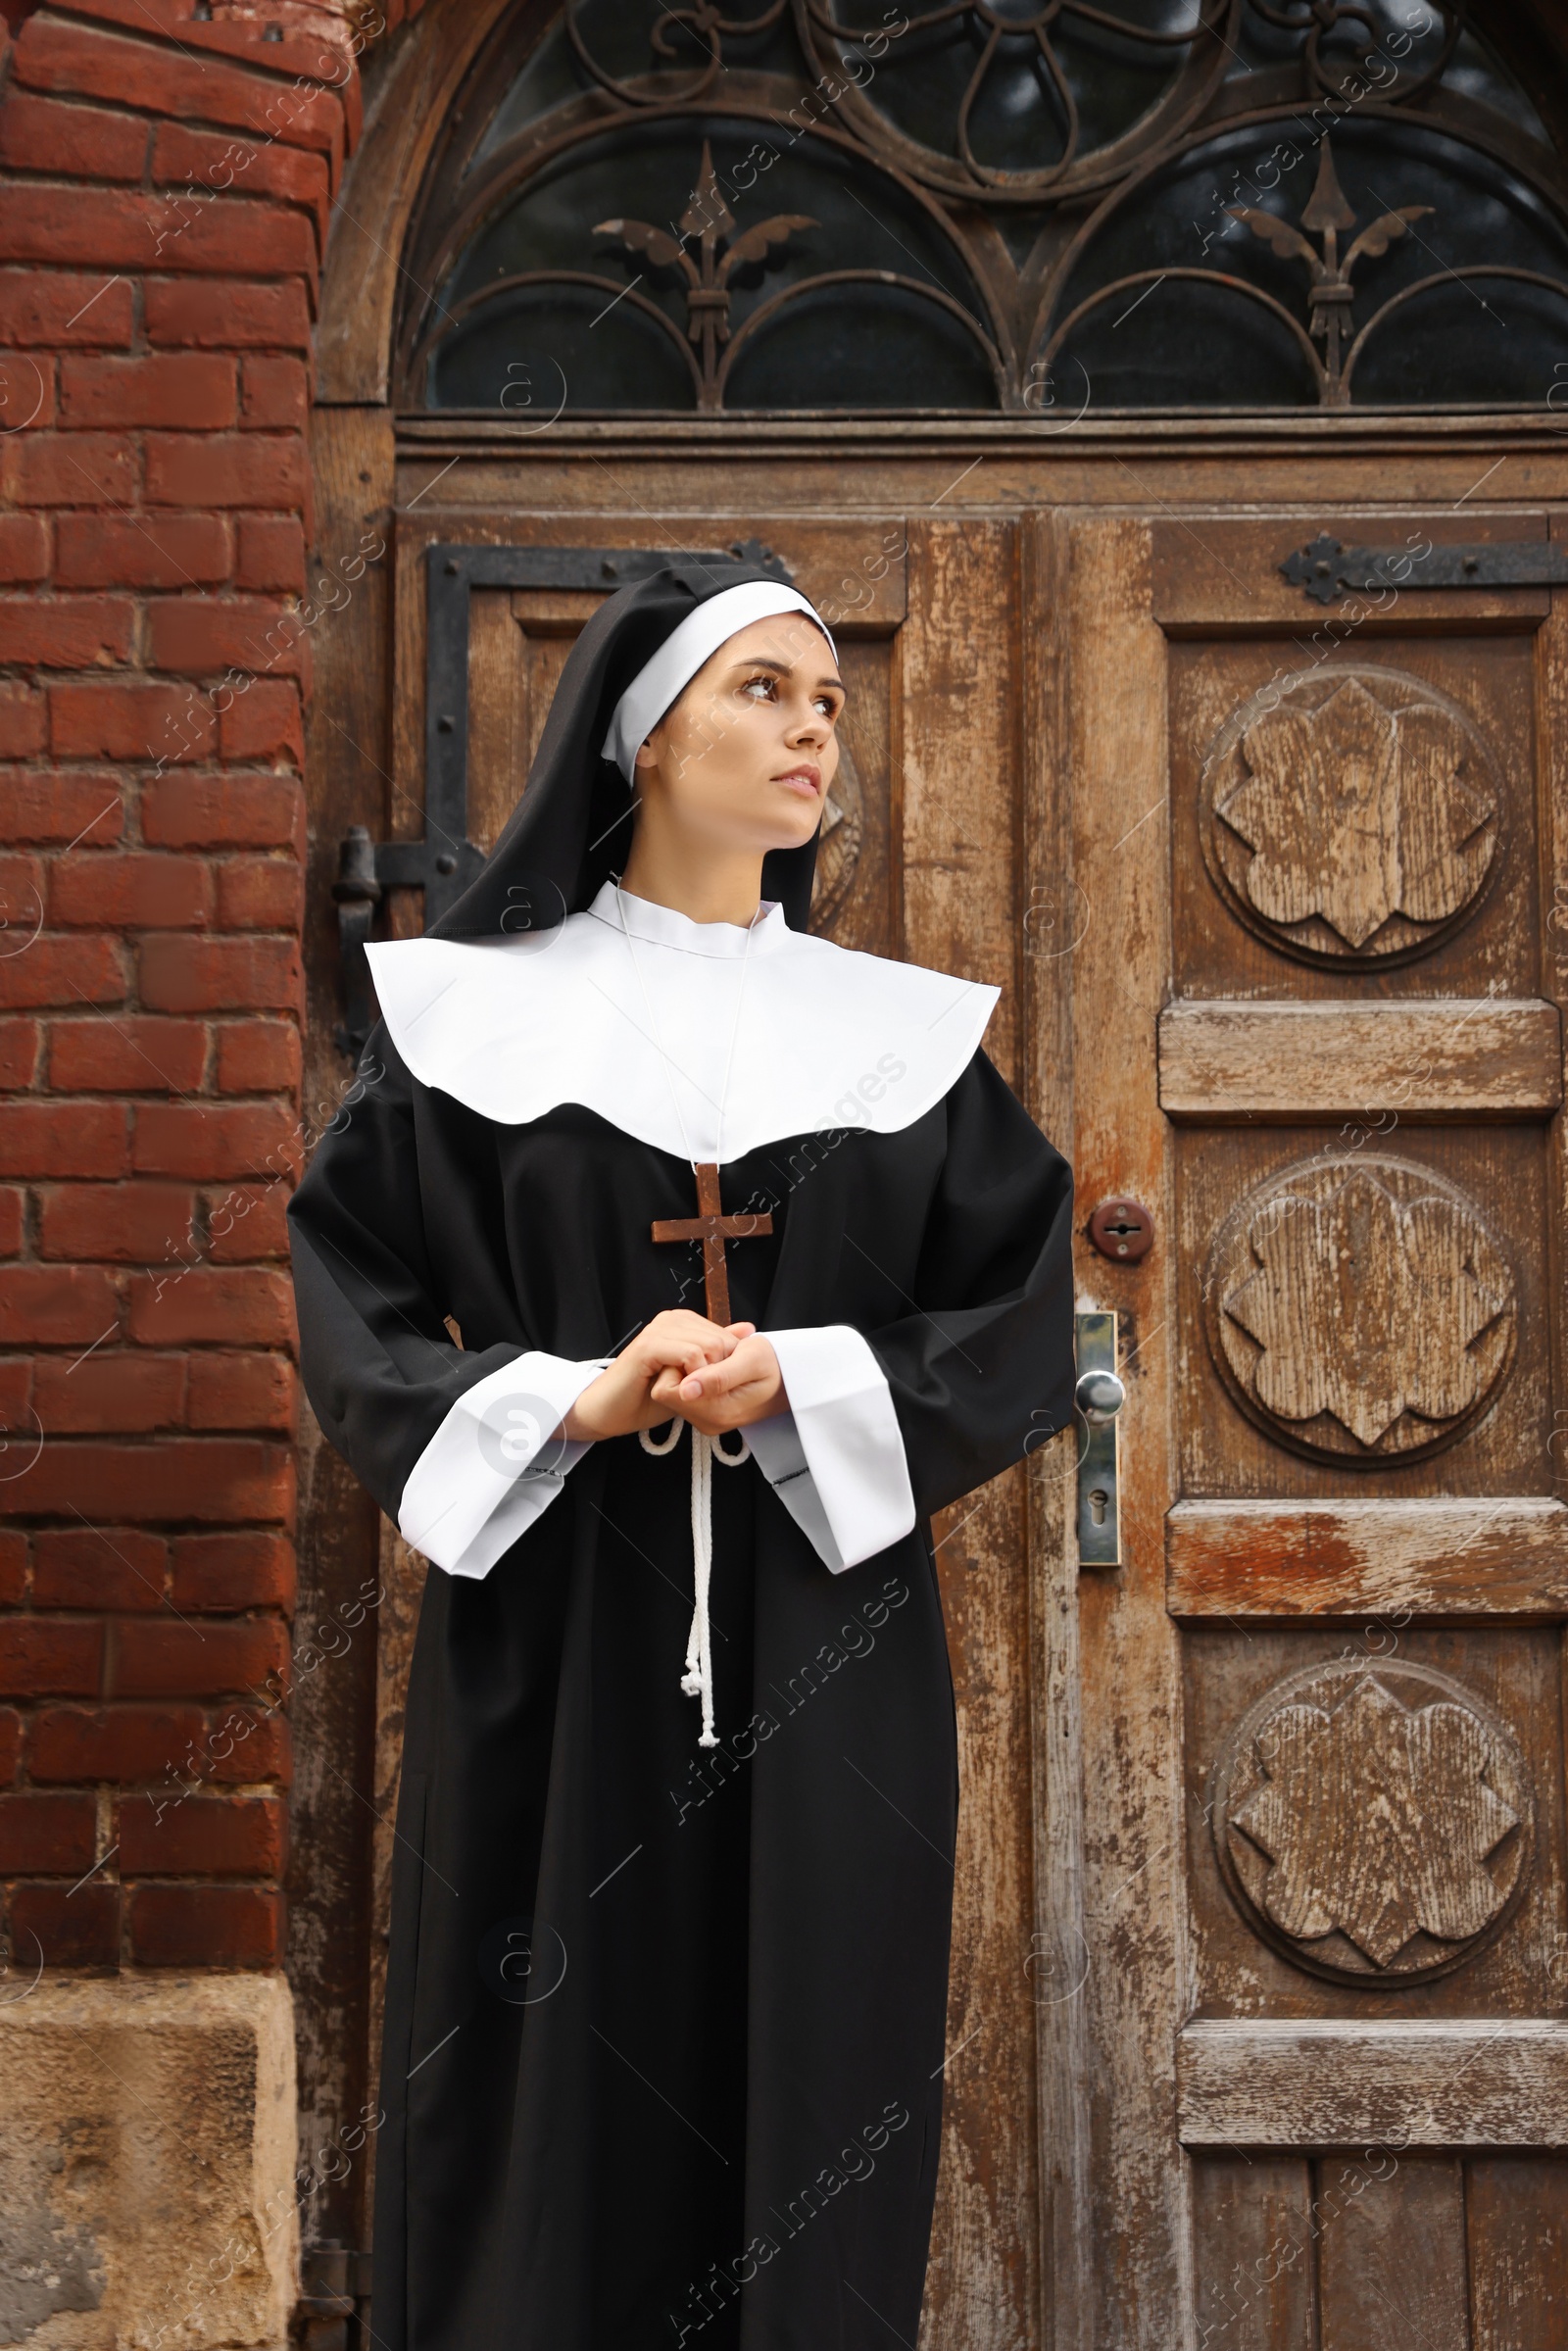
x=1327 y=568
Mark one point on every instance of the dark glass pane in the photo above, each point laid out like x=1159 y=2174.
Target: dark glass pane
x=1019 y=122
x=859 y=220
x=1186 y=345
x=530 y=346
x=1445 y=347
x=861 y=347
x=1479 y=211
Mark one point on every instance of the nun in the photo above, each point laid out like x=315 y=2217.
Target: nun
x=669 y=1269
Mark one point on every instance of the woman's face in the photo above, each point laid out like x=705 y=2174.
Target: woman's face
x=746 y=755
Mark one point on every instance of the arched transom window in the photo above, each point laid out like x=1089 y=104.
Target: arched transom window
x=1024 y=205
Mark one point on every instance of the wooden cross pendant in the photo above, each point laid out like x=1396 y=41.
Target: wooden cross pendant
x=713 y=1228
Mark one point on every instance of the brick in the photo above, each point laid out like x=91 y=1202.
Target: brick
x=50 y=310
x=21 y=885
x=127 y=891
x=232 y=1571
x=258 y=1057
x=158 y=722
x=26 y=390
x=271 y=554
x=23 y=725
x=64 y=1139
x=65 y=632
x=245 y=1744
x=248 y=1221
x=207 y=159
x=25 y=546
x=73 y=142
x=303 y=54
x=82 y=810
x=205 y=234
x=16 y=1396
x=43 y=1656
x=19 y=1053
x=58 y=1306
x=10 y=1744
x=223 y=811
x=275 y=392
x=239 y=1392
x=56 y=55
x=124 y=1743
x=267 y=722
x=229 y=1139
x=48 y=1834
x=236 y=1306
x=206 y=1926
x=11 y=1201
x=157 y=1657
x=228 y=315
x=133 y=1052
x=98 y=1567
x=61 y=971
x=191 y=389
x=261 y=894
x=203 y=636
x=226 y=469
x=182 y=974
x=206 y=1480
x=56 y=1926
x=155 y=551
x=113 y=1393
x=70 y=469
x=206 y=1836
x=13 y=1566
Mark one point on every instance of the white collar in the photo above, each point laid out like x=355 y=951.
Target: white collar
x=827 y=1037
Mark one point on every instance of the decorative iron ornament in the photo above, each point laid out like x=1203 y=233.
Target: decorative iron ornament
x=835 y=96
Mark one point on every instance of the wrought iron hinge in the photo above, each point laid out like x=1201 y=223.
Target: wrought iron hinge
x=1326 y=568
x=446 y=861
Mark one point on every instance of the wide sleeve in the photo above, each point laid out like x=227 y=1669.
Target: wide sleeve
x=458 y=1446
x=888 y=1424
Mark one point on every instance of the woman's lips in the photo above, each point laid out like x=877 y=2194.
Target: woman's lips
x=805 y=779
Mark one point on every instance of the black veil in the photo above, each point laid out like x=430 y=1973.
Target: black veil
x=571 y=828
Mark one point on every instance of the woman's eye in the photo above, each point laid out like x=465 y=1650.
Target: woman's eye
x=767 y=684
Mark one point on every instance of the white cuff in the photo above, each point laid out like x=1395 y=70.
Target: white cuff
x=494 y=1463
x=836 y=1457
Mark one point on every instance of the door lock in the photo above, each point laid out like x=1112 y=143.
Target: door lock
x=1099 y=1396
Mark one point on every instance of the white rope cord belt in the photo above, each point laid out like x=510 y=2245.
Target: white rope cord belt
x=697 y=1681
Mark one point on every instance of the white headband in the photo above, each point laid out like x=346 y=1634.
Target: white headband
x=683 y=652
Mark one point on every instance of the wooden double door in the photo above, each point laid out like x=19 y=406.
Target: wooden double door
x=1256 y=2038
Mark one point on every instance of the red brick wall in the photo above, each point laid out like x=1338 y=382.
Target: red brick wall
x=169 y=173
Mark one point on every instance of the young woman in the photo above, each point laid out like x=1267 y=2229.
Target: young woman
x=673 y=1267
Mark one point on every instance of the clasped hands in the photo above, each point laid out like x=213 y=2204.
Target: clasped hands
x=716 y=1376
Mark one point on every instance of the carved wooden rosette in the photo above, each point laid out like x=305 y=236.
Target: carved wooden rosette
x=1352 y=816
x=1360 y=1309
x=838 y=853
x=1374 y=1823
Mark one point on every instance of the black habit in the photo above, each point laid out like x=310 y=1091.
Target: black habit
x=665 y=2024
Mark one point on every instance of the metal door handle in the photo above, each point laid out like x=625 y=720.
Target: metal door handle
x=1099 y=1396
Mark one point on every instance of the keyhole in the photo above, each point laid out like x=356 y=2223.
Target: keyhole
x=1099 y=1500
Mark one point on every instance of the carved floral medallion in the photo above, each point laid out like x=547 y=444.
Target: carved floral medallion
x=1353 y=817
x=1360 y=1309
x=1375 y=1824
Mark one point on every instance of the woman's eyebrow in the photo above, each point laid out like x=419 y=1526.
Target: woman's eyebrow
x=767 y=661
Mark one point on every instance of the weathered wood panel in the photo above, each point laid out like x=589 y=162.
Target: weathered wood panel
x=1516 y=2211
x=1484 y=1059
x=1331 y=2082
x=1392 y=2261
x=958 y=664
x=1253 y=2233
x=1453 y=1555
x=1215 y=574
